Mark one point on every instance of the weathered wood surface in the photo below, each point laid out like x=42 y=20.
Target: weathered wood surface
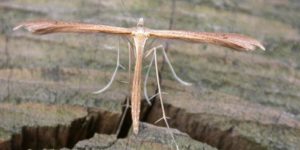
x=238 y=100
x=38 y=126
x=150 y=137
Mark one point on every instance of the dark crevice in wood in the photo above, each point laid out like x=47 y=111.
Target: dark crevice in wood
x=60 y=136
x=202 y=131
x=125 y=120
x=105 y=122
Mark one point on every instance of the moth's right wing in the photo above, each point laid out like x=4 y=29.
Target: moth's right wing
x=234 y=41
x=46 y=27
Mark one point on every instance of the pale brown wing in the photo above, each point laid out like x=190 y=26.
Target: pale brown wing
x=230 y=40
x=45 y=27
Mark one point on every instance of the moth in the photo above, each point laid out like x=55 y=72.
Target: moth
x=140 y=34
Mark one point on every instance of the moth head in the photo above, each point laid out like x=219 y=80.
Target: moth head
x=140 y=22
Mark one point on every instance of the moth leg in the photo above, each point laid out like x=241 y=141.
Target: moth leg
x=159 y=93
x=130 y=54
x=159 y=89
x=145 y=81
x=153 y=49
x=122 y=122
x=172 y=69
x=148 y=72
x=164 y=117
x=113 y=75
x=169 y=64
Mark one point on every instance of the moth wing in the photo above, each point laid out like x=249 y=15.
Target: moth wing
x=230 y=40
x=46 y=27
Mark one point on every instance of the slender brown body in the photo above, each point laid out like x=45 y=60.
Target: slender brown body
x=140 y=36
x=136 y=90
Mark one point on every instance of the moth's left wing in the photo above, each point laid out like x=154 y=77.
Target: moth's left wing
x=230 y=40
x=46 y=27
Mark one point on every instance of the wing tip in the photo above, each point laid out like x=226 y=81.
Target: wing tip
x=25 y=25
x=258 y=45
x=18 y=27
x=254 y=47
x=35 y=26
x=262 y=47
